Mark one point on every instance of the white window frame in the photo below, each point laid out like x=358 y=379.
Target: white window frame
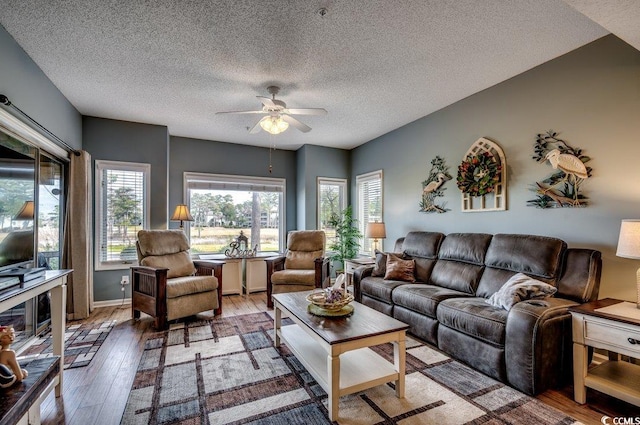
x=362 y=220
x=191 y=180
x=334 y=182
x=100 y=166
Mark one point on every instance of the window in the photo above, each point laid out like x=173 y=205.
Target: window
x=224 y=205
x=369 y=188
x=122 y=208
x=331 y=200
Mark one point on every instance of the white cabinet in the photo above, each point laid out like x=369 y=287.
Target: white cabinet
x=256 y=275
x=232 y=276
x=238 y=274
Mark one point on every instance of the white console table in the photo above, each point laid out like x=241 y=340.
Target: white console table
x=249 y=273
x=56 y=282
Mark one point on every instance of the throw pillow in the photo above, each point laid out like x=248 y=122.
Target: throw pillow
x=399 y=269
x=520 y=287
x=380 y=268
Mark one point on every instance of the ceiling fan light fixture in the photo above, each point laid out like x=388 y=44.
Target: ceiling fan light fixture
x=274 y=125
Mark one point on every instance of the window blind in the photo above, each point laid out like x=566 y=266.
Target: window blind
x=369 y=188
x=122 y=210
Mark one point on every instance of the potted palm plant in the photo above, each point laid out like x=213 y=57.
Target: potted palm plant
x=347 y=241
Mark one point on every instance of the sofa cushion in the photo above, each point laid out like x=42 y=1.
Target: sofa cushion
x=377 y=287
x=422 y=298
x=466 y=247
x=537 y=256
x=303 y=247
x=294 y=276
x=302 y=260
x=161 y=242
x=519 y=288
x=190 y=285
x=462 y=277
x=179 y=264
x=422 y=244
x=474 y=317
x=399 y=269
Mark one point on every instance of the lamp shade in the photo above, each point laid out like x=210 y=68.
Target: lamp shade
x=26 y=212
x=376 y=230
x=629 y=240
x=181 y=213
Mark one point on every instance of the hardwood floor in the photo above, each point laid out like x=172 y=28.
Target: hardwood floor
x=97 y=394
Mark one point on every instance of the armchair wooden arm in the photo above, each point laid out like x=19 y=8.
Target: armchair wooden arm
x=149 y=293
x=323 y=276
x=274 y=264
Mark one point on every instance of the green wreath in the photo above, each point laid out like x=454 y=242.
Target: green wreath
x=479 y=174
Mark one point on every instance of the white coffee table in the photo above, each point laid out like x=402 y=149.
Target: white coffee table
x=335 y=350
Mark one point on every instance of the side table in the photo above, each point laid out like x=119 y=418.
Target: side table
x=613 y=325
x=352 y=264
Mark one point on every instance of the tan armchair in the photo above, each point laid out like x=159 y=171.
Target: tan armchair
x=168 y=285
x=303 y=267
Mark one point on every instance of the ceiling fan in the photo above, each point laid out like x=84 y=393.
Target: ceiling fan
x=278 y=116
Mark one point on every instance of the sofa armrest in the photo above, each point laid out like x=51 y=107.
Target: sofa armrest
x=538 y=348
x=359 y=274
x=209 y=268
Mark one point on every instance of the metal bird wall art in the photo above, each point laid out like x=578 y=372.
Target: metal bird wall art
x=432 y=187
x=563 y=188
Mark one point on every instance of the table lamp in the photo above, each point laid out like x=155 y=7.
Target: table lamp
x=181 y=213
x=629 y=246
x=375 y=230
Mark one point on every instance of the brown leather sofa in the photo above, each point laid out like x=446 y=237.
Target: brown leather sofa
x=529 y=346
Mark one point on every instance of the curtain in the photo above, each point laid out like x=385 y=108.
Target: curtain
x=77 y=247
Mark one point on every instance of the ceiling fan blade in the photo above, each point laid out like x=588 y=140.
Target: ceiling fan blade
x=256 y=128
x=266 y=101
x=240 y=112
x=307 y=111
x=297 y=124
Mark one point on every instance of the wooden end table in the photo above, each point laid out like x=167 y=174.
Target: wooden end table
x=351 y=265
x=612 y=325
x=334 y=350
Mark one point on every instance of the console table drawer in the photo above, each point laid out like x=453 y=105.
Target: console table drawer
x=614 y=335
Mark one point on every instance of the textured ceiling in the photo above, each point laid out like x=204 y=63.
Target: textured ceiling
x=374 y=65
x=621 y=17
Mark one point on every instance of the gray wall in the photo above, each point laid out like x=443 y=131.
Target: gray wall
x=313 y=162
x=28 y=88
x=113 y=140
x=205 y=156
x=591 y=96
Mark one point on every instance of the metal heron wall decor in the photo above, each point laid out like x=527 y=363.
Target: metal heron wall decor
x=563 y=188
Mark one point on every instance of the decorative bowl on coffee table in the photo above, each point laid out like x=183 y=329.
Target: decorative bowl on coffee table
x=321 y=307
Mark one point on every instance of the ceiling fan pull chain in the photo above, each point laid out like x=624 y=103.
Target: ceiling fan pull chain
x=272 y=144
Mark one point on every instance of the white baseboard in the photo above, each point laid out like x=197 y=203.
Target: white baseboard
x=112 y=303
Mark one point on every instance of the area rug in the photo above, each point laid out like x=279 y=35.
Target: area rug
x=227 y=371
x=81 y=343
